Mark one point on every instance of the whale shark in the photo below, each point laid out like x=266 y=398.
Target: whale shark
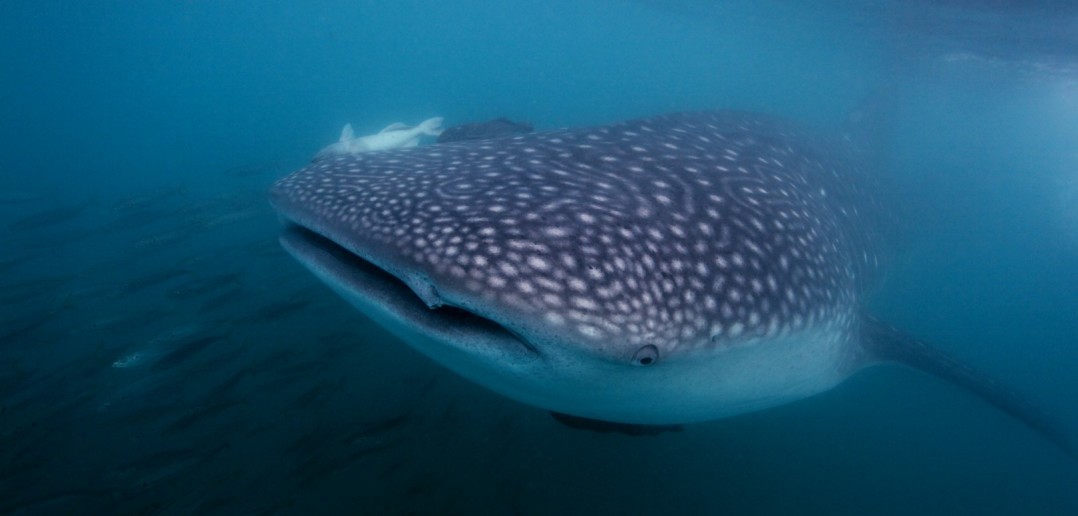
x=658 y=271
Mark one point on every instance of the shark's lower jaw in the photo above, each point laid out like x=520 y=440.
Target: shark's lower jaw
x=455 y=337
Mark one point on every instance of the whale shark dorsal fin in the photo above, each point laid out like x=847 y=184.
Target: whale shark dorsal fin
x=347 y=133
x=395 y=126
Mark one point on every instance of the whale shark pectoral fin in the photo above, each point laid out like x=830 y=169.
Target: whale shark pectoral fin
x=606 y=427
x=395 y=126
x=887 y=343
x=347 y=134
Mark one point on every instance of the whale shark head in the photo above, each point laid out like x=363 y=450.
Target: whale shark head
x=662 y=270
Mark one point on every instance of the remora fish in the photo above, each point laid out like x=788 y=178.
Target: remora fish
x=658 y=271
x=394 y=136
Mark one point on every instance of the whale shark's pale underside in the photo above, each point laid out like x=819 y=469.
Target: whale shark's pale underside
x=663 y=270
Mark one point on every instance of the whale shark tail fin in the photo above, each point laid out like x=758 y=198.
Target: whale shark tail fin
x=347 y=134
x=431 y=126
x=886 y=343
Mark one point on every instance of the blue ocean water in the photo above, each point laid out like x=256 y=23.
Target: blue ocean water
x=159 y=352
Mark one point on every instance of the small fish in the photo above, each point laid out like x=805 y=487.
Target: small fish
x=191 y=330
x=185 y=350
x=51 y=217
x=65 y=501
x=221 y=300
x=136 y=359
x=149 y=200
x=229 y=384
x=140 y=219
x=231 y=218
x=126 y=320
x=154 y=469
x=19 y=197
x=200 y=415
x=376 y=429
x=218 y=504
x=39 y=283
x=162 y=239
x=261 y=248
x=313 y=396
x=11 y=263
x=10 y=333
x=276 y=311
x=154 y=278
x=171 y=343
x=58 y=239
x=320 y=468
x=202 y=286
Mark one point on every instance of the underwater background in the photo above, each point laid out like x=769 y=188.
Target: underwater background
x=160 y=354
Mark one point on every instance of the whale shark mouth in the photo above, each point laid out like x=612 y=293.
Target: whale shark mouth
x=355 y=277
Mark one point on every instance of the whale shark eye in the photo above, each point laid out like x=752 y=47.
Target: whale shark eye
x=646 y=355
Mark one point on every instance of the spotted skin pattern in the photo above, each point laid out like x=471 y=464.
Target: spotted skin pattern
x=684 y=230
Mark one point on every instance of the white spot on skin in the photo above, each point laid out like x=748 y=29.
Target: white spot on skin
x=754 y=319
x=736 y=329
x=584 y=303
x=556 y=232
x=538 y=263
x=589 y=331
x=552 y=299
